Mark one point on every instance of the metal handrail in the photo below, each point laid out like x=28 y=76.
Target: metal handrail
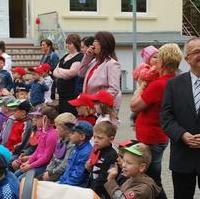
x=191 y=17
x=185 y=30
x=53 y=31
x=191 y=26
x=194 y=6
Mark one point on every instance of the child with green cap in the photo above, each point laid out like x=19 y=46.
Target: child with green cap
x=136 y=160
x=9 y=185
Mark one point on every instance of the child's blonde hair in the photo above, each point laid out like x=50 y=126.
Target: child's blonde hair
x=170 y=55
x=105 y=127
x=64 y=118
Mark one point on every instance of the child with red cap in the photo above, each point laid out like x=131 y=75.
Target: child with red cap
x=48 y=81
x=20 y=88
x=38 y=86
x=85 y=108
x=103 y=103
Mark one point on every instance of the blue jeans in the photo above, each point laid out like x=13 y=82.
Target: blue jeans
x=155 y=167
x=38 y=171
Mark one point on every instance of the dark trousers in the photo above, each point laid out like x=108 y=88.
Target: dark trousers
x=185 y=184
x=155 y=167
x=64 y=106
x=53 y=90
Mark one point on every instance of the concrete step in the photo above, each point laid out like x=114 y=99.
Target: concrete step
x=24 y=54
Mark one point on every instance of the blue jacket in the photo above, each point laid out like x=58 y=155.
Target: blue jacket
x=51 y=58
x=76 y=174
x=37 y=92
x=5 y=80
x=9 y=187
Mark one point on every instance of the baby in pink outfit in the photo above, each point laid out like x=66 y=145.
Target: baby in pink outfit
x=146 y=72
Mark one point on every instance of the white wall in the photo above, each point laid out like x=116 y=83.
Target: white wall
x=125 y=57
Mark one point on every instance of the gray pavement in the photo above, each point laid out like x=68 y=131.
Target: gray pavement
x=126 y=132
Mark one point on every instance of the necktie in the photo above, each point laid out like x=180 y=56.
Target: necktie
x=197 y=94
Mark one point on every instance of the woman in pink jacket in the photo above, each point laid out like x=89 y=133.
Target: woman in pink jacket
x=100 y=67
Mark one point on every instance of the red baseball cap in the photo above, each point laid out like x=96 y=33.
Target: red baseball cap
x=21 y=71
x=37 y=70
x=104 y=97
x=45 y=67
x=82 y=100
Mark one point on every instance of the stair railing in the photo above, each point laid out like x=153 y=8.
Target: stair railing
x=191 y=18
x=49 y=28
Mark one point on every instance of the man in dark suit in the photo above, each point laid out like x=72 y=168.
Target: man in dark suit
x=180 y=120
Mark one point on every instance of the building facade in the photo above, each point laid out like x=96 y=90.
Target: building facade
x=158 y=22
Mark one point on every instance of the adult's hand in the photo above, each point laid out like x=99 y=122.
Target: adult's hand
x=197 y=141
x=90 y=51
x=190 y=139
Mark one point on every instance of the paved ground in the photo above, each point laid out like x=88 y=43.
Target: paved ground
x=125 y=132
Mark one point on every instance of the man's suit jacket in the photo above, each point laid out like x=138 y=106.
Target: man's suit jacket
x=178 y=115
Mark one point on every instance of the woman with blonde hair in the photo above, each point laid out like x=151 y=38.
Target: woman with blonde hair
x=147 y=105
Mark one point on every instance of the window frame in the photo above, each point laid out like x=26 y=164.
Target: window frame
x=84 y=12
x=138 y=13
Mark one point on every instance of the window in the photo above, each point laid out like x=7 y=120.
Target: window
x=126 y=5
x=83 y=5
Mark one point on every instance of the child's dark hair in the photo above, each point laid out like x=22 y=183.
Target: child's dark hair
x=50 y=112
x=105 y=127
x=68 y=126
x=2 y=59
x=105 y=109
x=88 y=41
x=2 y=46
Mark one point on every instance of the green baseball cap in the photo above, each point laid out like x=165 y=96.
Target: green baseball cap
x=6 y=100
x=134 y=149
x=14 y=104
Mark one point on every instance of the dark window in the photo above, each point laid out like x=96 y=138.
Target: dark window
x=126 y=5
x=83 y=5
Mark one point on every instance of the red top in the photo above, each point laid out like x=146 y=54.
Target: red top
x=148 y=129
x=15 y=136
x=90 y=118
x=90 y=75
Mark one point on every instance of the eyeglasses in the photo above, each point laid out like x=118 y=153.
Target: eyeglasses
x=193 y=53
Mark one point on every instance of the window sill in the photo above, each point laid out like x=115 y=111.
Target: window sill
x=138 y=17
x=70 y=16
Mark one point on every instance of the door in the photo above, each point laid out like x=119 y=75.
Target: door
x=17 y=12
x=4 y=19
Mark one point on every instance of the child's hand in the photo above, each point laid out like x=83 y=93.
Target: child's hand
x=23 y=158
x=45 y=176
x=88 y=166
x=15 y=165
x=112 y=172
x=41 y=80
x=143 y=85
x=25 y=167
x=5 y=92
